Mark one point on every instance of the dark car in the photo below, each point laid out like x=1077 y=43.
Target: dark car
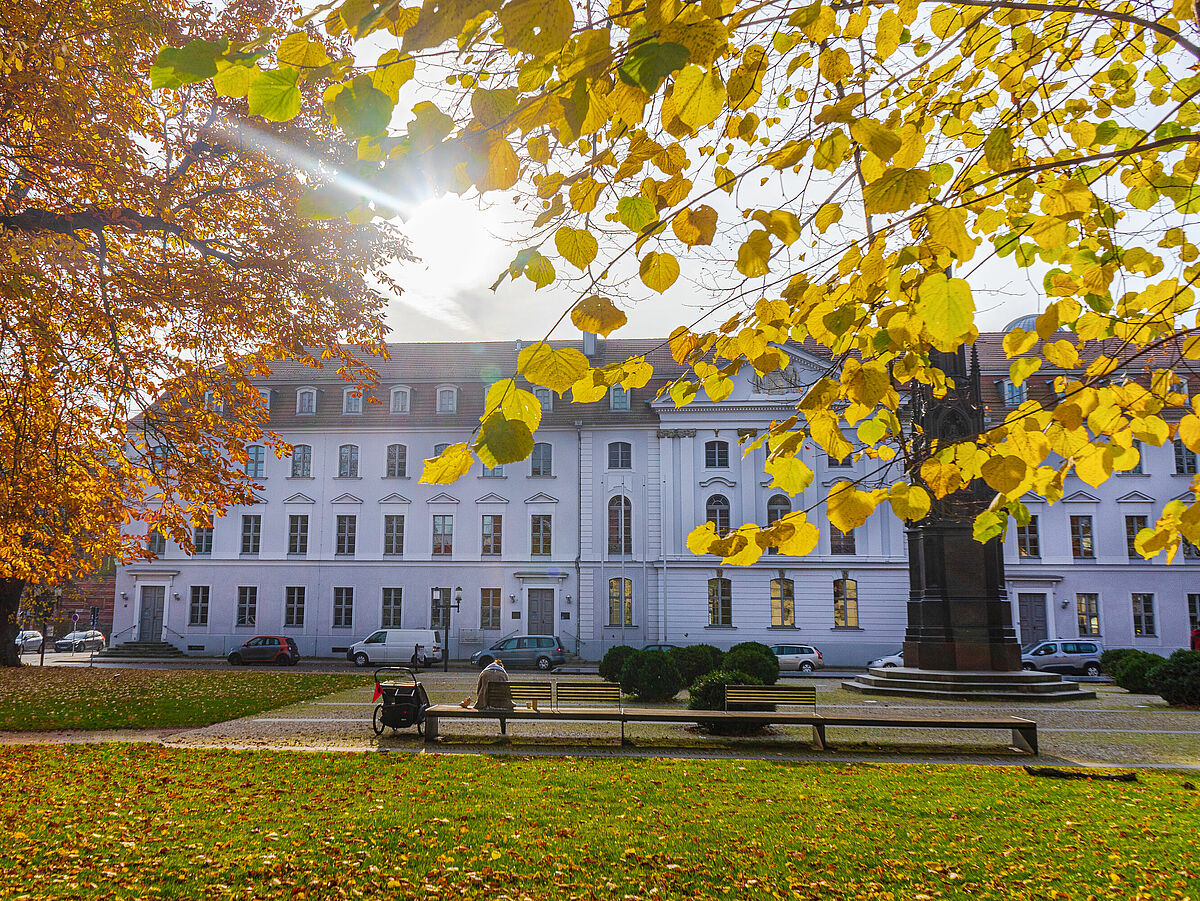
x=81 y=641
x=267 y=649
x=542 y=651
x=659 y=647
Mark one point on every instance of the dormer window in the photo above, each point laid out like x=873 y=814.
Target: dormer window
x=447 y=400
x=618 y=398
x=306 y=401
x=401 y=399
x=1013 y=395
x=545 y=397
x=352 y=400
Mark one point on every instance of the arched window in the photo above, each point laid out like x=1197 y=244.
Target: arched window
x=618 y=398
x=845 y=603
x=620 y=525
x=542 y=464
x=447 y=400
x=352 y=400
x=778 y=507
x=401 y=398
x=620 y=455
x=255 y=461
x=545 y=397
x=438 y=448
x=716 y=455
x=720 y=602
x=302 y=461
x=348 y=461
x=783 y=602
x=306 y=401
x=716 y=511
x=620 y=602
x=397 y=461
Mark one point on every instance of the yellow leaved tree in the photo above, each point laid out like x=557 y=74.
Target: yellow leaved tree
x=849 y=173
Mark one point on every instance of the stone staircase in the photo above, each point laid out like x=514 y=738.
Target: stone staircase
x=142 y=650
x=990 y=686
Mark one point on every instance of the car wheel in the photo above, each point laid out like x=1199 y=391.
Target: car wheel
x=543 y=663
x=281 y=660
x=235 y=659
x=889 y=666
x=361 y=659
x=1092 y=669
x=1028 y=667
x=806 y=667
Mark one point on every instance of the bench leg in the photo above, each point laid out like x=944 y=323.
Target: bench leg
x=818 y=736
x=623 y=742
x=1025 y=738
x=503 y=726
x=431 y=729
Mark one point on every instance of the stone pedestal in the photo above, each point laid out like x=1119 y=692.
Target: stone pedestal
x=964 y=685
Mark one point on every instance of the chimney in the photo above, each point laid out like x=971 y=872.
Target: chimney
x=589 y=346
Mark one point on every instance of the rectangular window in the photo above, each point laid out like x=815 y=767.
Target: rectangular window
x=1136 y=469
x=343 y=608
x=1081 y=538
x=1133 y=525
x=247 y=605
x=352 y=401
x=716 y=455
x=1087 y=606
x=542 y=461
x=298 y=534
x=720 y=602
x=845 y=604
x=846 y=462
x=198 y=609
x=1029 y=542
x=202 y=539
x=618 y=398
x=493 y=473
x=439 y=609
x=293 y=605
x=158 y=544
x=302 y=461
x=348 y=461
x=393 y=534
x=539 y=535
x=251 y=533
x=840 y=542
x=255 y=461
x=443 y=535
x=492 y=534
x=620 y=601
x=489 y=608
x=1193 y=612
x=347 y=528
x=390 y=617
x=1014 y=395
x=620 y=455
x=1143 y=614
x=783 y=602
x=397 y=461
x=1185 y=460
x=447 y=400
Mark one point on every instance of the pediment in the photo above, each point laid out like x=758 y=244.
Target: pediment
x=1135 y=497
x=1187 y=497
x=492 y=498
x=541 y=498
x=299 y=499
x=346 y=498
x=1032 y=498
x=1081 y=497
x=394 y=498
x=718 y=480
x=442 y=498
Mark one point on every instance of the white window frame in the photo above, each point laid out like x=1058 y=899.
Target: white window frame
x=301 y=393
x=304 y=470
x=447 y=391
x=352 y=401
x=545 y=397
x=400 y=391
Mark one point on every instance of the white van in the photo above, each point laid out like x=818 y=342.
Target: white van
x=417 y=646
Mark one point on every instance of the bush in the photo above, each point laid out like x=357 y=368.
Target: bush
x=651 y=676
x=708 y=693
x=1178 y=680
x=695 y=660
x=614 y=662
x=1112 y=657
x=755 y=659
x=1132 y=671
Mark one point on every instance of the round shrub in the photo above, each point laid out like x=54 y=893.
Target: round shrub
x=651 y=676
x=753 y=658
x=1113 y=656
x=1132 y=671
x=614 y=662
x=1178 y=680
x=695 y=660
x=708 y=691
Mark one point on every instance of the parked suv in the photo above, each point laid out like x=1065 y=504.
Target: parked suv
x=542 y=651
x=267 y=649
x=81 y=641
x=802 y=657
x=1064 y=657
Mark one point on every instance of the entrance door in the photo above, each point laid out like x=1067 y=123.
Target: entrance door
x=1031 y=608
x=541 y=611
x=151 y=625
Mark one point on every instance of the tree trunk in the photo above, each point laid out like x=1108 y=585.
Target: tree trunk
x=10 y=601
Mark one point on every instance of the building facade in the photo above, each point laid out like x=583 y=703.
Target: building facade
x=587 y=539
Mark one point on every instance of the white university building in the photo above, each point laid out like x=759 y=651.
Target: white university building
x=587 y=539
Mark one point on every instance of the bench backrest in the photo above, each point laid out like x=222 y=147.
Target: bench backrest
x=790 y=695
x=569 y=693
x=518 y=694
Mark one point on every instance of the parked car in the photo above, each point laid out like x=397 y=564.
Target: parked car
x=802 y=657
x=887 y=661
x=267 y=649
x=1082 y=657
x=542 y=651
x=419 y=647
x=29 y=641
x=659 y=647
x=90 y=640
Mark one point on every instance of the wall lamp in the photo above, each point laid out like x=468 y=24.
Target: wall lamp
x=176 y=595
x=1065 y=604
x=513 y=598
x=124 y=595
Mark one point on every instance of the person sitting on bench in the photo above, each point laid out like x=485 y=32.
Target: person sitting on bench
x=492 y=673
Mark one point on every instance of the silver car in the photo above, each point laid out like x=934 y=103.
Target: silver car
x=888 y=661
x=541 y=651
x=29 y=642
x=81 y=641
x=803 y=658
x=1064 y=657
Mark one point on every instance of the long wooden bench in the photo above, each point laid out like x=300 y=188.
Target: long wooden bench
x=787 y=695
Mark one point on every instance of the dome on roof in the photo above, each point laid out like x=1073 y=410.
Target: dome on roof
x=1028 y=323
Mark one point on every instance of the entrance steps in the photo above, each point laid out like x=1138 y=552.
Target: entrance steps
x=141 y=650
x=1021 y=685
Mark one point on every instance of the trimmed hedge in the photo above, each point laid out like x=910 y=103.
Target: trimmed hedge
x=614 y=662
x=708 y=693
x=695 y=660
x=755 y=659
x=1113 y=656
x=1178 y=680
x=1132 y=671
x=651 y=676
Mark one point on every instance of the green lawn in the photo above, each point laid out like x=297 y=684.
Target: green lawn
x=136 y=821
x=54 y=697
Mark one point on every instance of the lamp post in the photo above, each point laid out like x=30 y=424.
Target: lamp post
x=455 y=606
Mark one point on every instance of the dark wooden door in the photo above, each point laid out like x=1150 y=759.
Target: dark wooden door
x=153 y=600
x=1031 y=608
x=541 y=611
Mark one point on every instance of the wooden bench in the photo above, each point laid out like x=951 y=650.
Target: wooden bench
x=1024 y=732
x=787 y=695
x=505 y=696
